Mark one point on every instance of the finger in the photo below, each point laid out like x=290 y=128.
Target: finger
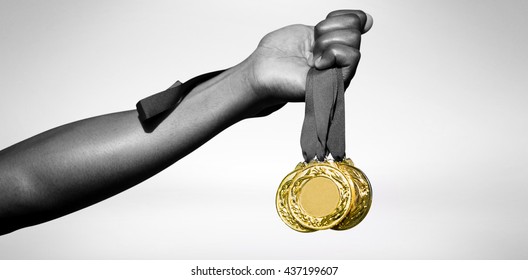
x=366 y=19
x=338 y=55
x=341 y=56
x=348 y=37
x=337 y=23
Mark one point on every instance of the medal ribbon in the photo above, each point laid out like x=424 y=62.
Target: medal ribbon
x=323 y=130
x=170 y=98
x=164 y=101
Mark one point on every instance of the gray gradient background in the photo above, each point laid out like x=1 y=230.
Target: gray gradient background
x=436 y=117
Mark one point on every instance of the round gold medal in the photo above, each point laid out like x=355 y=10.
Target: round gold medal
x=361 y=206
x=315 y=196
x=322 y=195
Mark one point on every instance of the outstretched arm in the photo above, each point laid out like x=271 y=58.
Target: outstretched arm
x=81 y=163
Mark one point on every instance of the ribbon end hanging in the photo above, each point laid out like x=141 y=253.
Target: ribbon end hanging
x=155 y=104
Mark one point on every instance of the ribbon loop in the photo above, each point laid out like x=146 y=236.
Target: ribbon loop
x=323 y=130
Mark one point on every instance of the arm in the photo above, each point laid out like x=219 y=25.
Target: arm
x=78 y=164
x=81 y=163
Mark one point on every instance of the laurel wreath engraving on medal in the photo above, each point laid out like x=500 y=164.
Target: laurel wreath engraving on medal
x=360 y=209
x=282 y=202
x=325 y=170
x=353 y=188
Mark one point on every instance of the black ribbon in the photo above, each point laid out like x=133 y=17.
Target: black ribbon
x=168 y=99
x=323 y=130
x=150 y=107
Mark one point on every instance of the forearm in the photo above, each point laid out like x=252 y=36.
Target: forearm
x=76 y=165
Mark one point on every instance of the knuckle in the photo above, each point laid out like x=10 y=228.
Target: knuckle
x=318 y=46
x=355 y=33
x=360 y=13
x=355 y=55
x=342 y=12
x=355 y=21
x=334 y=50
x=319 y=28
x=335 y=13
x=354 y=38
x=351 y=57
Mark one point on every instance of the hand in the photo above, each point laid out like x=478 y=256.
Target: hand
x=282 y=59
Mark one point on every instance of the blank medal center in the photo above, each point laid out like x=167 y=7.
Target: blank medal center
x=319 y=197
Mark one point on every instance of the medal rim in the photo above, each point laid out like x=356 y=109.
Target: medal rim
x=360 y=209
x=346 y=192
x=282 y=201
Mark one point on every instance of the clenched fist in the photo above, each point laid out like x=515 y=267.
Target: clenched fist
x=283 y=57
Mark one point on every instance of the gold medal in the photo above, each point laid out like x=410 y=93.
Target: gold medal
x=320 y=195
x=323 y=195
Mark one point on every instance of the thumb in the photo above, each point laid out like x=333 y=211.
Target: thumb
x=368 y=24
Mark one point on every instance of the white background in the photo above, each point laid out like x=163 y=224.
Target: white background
x=436 y=117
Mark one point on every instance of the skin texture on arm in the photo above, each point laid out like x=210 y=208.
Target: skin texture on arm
x=79 y=164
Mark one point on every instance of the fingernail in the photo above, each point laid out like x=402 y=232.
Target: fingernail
x=318 y=62
x=368 y=23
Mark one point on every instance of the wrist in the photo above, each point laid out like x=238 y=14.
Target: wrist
x=240 y=86
x=245 y=82
x=231 y=91
x=257 y=80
